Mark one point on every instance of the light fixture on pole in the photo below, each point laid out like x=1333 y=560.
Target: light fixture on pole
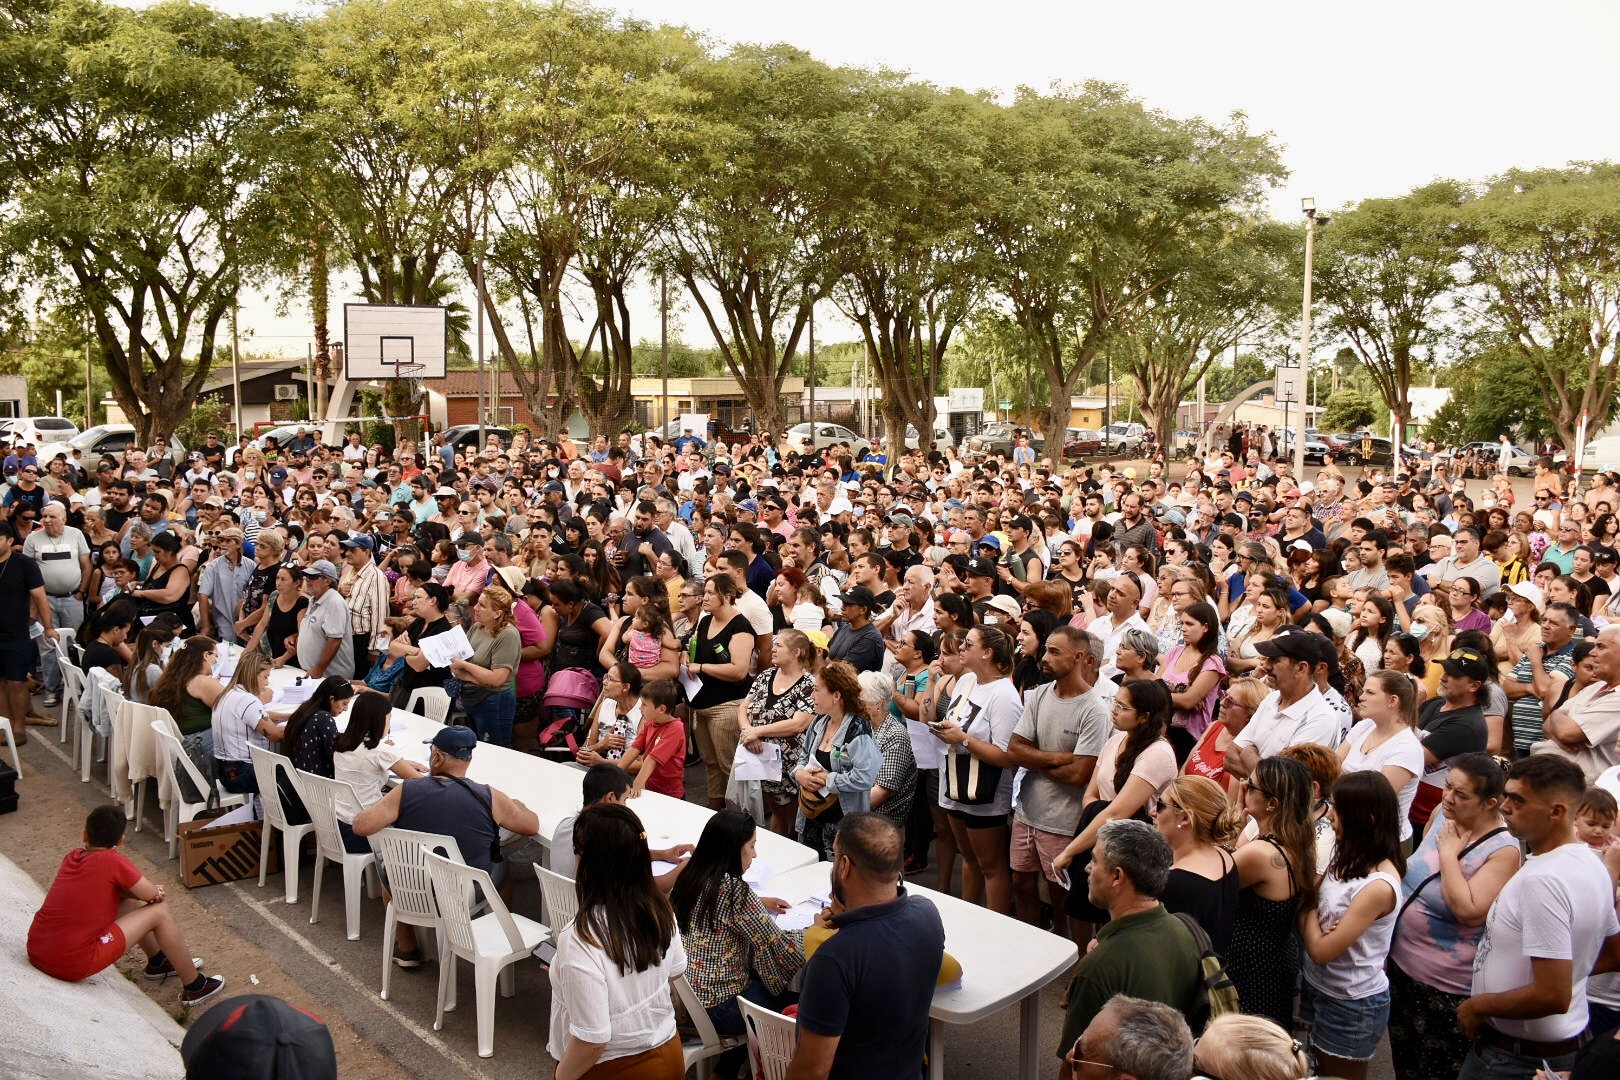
x=1308 y=205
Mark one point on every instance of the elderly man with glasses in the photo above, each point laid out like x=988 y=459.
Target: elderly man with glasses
x=63 y=556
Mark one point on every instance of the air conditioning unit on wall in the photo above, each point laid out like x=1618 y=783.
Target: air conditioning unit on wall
x=286 y=391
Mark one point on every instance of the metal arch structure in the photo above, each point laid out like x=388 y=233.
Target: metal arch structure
x=1225 y=415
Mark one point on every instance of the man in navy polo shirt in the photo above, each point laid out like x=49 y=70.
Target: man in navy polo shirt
x=863 y=1011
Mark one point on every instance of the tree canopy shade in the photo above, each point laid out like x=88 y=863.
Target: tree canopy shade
x=139 y=151
x=1387 y=271
x=1542 y=249
x=1102 y=205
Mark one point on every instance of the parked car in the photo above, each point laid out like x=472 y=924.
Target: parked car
x=1082 y=442
x=1383 y=452
x=39 y=430
x=1122 y=437
x=332 y=433
x=465 y=436
x=1602 y=454
x=114 y=439
x=718 y=429
x=997 y=437
x=825 y=435
x=942 y=437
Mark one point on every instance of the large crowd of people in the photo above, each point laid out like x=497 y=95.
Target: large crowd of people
x=1357 y=733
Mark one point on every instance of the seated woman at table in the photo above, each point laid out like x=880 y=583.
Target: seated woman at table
x=107 y=646
x=610 y=993
x=364 y=757
x=310 y=738
x=240 y=723
x=147 y=666
x=189 y=690
x=277 y=624
x=617 y=716
x=733 y=946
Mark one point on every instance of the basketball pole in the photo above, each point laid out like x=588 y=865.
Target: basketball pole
x=663 y=343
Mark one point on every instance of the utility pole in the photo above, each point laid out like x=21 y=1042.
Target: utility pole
x=1309 y=206
x=663 y=344
x=236 y=369
x=812 y=364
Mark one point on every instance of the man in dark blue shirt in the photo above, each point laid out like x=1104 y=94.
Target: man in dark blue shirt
x=863 y=1012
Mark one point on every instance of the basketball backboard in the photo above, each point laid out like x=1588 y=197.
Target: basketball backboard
x=389 y=341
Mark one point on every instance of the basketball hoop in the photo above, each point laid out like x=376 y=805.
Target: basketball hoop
x=412 y=374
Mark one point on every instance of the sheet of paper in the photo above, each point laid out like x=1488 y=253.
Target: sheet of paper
x=296 y=693
x=765 y=765
x=928 y=751
x=798 y=917
x=691 y=684
x=239 y=816
x=660 y=867
x=757 y=874
x=440 y=649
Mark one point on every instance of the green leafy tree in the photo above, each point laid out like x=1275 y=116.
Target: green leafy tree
x=749 y=242
x=911 y=257
x=1542 y=249
x=1096 y=196
x=137 y=152
x=1348 y=409
x=1386 y=277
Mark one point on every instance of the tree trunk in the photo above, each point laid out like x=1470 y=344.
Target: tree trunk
x=320 y=282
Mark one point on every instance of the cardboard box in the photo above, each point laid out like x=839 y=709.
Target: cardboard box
x=212 y=855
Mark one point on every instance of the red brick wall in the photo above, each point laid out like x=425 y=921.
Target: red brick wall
x=464 y=410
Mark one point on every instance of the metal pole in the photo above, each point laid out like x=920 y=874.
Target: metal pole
x=236 y=370
x=478 y=272
x=812 y=416
x=89 y=391
x=1309 y=206
x=663 y=344
x=309 y=376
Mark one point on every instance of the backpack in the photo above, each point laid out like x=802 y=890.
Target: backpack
x=1217 y=995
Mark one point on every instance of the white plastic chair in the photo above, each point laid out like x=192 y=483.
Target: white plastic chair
x=11 y=742
x=72 y=703
x=174 y=761
x=98 y=705
x=266 y=765
x=64 y=640
x=771 y=1039
x=492 y=943
x=320 y=799
x=429 y=701
x=709 y=1044
x=560 y=903
x=410 y=892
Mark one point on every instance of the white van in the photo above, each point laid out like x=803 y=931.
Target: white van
x=1602 y=454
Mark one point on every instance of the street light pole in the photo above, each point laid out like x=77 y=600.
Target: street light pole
x=663 y=344
x=1308 y=205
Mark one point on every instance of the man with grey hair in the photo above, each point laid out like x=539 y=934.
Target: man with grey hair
x=913 y=609
x=63 y=556
x=1143 y=950
x=1135 y=1039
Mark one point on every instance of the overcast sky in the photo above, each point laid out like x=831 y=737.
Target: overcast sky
x=1371 y=99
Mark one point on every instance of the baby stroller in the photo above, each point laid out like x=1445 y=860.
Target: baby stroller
x=570 y=695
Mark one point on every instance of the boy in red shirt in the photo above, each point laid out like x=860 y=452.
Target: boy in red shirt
x=657 y=757
x=97 y=904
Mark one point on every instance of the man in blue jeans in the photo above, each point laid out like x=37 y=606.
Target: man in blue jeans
x=863 y=1010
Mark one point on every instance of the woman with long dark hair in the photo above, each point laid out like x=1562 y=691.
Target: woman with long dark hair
x=1135 y=765
x=1347 y=937
x=735 y=948
x=1277 y=879
x=310 y=738
x=1033 y=630
x=611 y=1012
x=1194 y=672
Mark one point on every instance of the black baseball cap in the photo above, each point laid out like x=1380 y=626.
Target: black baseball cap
x=981 y=566
x=1469 y=663
x=860 y=596
x=259 y=1037
x=1292 y=644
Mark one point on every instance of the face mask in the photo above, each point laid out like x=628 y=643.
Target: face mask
x=464 y=554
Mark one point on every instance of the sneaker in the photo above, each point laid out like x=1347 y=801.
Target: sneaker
x=53 y=701
x=212 y=985
x=162 y=968
x=408 y=960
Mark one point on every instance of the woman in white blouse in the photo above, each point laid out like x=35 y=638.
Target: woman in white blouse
x=610 y=994
x=363 y=756
x=1385 y=740
x=240 y=722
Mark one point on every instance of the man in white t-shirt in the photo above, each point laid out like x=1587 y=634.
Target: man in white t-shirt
x=1551 y=926
x=1293 y=713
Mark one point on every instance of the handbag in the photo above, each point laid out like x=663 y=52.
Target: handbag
x=1432 y=878
x=967 y=779
x=813 y=806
